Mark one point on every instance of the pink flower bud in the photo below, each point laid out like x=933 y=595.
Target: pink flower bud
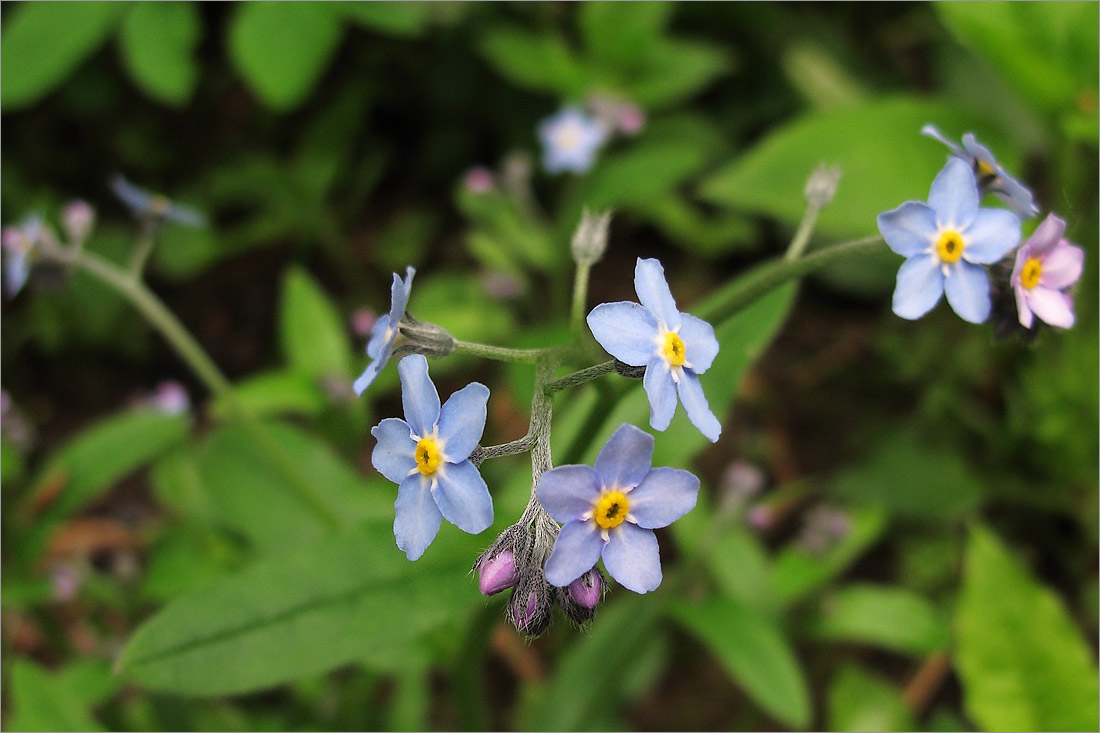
x=496 y=574
x=78 y=219
x=587 y=590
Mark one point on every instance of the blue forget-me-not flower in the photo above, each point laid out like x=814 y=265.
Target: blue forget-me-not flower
x=946 y=242
x=20 y=244
x=673 y=347
x=145 y=203
x=384 y=332
x=570 y=140
x=991 y=176
x=610 y=510
x=427 y=456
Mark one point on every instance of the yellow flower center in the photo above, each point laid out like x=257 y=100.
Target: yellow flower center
x=611 y=509
x=1029 y=275
x=673 y=349
x=984 y=169
x=160 y=204
x=428 y=457
x=950 y=246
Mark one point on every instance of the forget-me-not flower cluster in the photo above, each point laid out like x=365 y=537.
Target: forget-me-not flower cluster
x=992 y=177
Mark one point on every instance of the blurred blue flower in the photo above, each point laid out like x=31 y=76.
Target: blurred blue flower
x=427 y=456
x=145 y=203
x=384 y=331
x=673 y=347
x=611 y=510
x=570 y=140
x=20 y=244
x=946 y=242
x=991 y=176
x=1045 y=266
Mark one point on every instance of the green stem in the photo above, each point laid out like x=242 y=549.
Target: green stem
x=771 y=275
x=499 y=353
x=580 y=299
x=580 y=377
x=162 y=319
x=150 y=227
x=802 y=235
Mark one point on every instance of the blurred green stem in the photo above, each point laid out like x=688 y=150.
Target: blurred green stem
x=580 y=298
x=498 y=353
x=802 y=235
x=162 y=319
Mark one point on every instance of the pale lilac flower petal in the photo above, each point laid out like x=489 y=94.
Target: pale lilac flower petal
x=954 y=195
x=1027 y=318
x=1062 y=266
x=567 y=492
x=1052 y=306
x=919 y=286
x=418 y=395
x=463 y=497
x=967 y=289
x=462 y=421
x=695 y=404
x=661 y=391
x=653 y=292
x=909 y=229
x=1046 y=236
x=992 y=235
x=700 y=345
x=625 y=330
x=417 y=518
x=625 y=459
x=576 y=551
x=665 y=495
x=633 y=558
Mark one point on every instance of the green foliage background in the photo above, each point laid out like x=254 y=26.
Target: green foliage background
x=327 y=143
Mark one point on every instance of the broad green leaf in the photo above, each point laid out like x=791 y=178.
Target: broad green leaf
x=313 y=335
x=44 y=42
x=755 y=652
x=185 y=558
x=797 y=572
x=178 y=485
x=253 y=495
x=460 y=304
x=1022 y=661
x=888 y=617
x=619 y=34
x=877 y=145
x=909 y=478
x=676 y=70
x=859 y=701
x=397 y=18
x=539 y=61
x=641 y=175
x=158 y=40
x=276 y=392
x=282 y=48
x=309 y=608
x=44 y=701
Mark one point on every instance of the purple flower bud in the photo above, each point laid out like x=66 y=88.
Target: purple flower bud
x=479 y=180
x=530 y=604
x=497 y=573
x=587 y=590
x=78 y=218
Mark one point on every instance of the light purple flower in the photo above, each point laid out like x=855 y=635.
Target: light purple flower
x=946 y=242
x=145 y=203
x=20 y=244
x=570 y=140
x=479 y=179
x=1045 y=266
x=611 y=509
x=991 y=176
x=170 y=398
x=673 y=347
x=427 y=455
x=77 y=219
x=385 y=330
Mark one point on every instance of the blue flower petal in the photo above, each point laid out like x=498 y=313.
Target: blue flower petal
x=626 y=457
x=909 y=229
x=1016 y=195
x=968 y=292
x=661 y=391
x=417 y=518
x=418 y=395
x=393 y=455
x=399 y=295
x=919 y=286
x=462 y=421
x=695 y=404
x=575 y=552
x=933 y=132
x=367 y=378
x=633 y=558
x=381 y=337
x=991 y=236
x=954 y=195
x=567 y=492
x=653 y=292
x=462 y=496
x=625 y=330
x=700 y=345
x=665 y=495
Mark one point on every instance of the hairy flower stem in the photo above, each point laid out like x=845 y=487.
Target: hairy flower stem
x=499 y=353
x=164 y=321
x=802 y=235
x=580 y=377
x=580 y=298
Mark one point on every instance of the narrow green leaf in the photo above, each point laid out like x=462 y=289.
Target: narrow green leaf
x=282 y=48
x=302 y=612
x=158 y=41
x=397 y=18
x=542 y=62
x=44 y=42
x=888 y=617
x=313 y=336
x=1022 y=661
x=676 y=70
x=620 y=34
x=755 y=652
x=42 y=701
x=859 y=701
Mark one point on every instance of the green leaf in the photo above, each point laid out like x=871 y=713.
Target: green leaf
x=877 y=145
x=306 y=610
x=621 y=34
x=312 y=333
x=158 y=40
x=397 y=18
x=888 y=617
x=910 y=478
x=276 y=392
x=589 y=675
x=1022 y=661
x=859 y=701
x=539 y=61
x=755 y=652
x=641 y=175
x=44 y=42
x=42 y=701
x=282 y=48
x=254 y=497
x=676 y=70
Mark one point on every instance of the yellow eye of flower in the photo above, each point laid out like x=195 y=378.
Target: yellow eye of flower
x=949 y=247
x=1029 y=275
x=673 y=349
x=428 y=457
x=984 y=169
x=611 y=509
